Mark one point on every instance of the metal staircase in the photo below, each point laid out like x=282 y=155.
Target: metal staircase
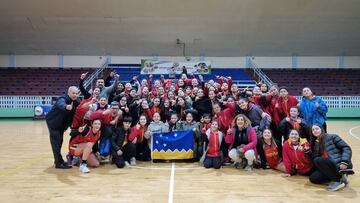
x=95 y=75
x=259 y=74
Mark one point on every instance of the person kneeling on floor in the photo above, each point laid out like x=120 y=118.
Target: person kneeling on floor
x=81 y=144
x=212 y=153
x=122 y=150
x=332 y=159
x=296 y=155
x=242 y=140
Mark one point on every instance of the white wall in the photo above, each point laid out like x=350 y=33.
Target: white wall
x=352 y=61
x=273 y=62
x=217 y=62
x=318 y=62
x=36 y=60
x=84 y=61
x=4 y=61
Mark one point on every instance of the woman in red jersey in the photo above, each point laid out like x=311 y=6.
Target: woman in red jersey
x=81 y=144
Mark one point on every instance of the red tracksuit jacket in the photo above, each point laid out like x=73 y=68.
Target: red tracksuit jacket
x=295 y=161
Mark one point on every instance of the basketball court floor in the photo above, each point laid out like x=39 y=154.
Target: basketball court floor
x=27 y=175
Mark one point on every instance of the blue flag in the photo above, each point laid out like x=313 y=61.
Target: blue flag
x=173 y=145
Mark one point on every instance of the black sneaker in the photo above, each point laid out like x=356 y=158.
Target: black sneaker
x=265 y=166
x=347 y=171
x=240 y=164
x=257 y=164
x=62 y=166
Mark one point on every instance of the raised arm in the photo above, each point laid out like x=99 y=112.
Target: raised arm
x=108 y=90
x=82 y=88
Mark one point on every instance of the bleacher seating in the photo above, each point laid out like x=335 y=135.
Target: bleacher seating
x=324 y=82
x=38 y=81
x=54 y=81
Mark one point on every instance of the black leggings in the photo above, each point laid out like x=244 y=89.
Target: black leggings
x=326 y=171
x=143 y=151
x=129 y=151
x=210 y=162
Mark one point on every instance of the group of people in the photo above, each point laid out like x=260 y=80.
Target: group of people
x=262 y=128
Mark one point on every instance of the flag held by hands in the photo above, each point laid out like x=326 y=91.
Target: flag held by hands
x=173 y=145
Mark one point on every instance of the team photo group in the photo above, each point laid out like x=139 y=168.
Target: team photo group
x=247 y=129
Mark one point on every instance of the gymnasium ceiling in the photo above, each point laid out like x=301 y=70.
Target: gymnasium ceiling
x=207 y=27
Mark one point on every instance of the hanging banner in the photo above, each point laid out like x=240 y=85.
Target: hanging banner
x=149 y=66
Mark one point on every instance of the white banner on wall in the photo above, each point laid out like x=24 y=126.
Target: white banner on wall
x=149 y=66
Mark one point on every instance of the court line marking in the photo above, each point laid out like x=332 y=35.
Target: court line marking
x=171 y=185
x=33 y=161
x=352 y=134
x=166 y=168
x=23 y=165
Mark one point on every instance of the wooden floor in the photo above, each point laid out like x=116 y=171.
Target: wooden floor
x=27 y=175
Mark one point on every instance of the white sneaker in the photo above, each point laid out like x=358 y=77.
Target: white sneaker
x=133 y=161
x=248 y=168
x=330 y=185
x=127 y=163
x=105 y=159
x=335 y=186
x=84 y=169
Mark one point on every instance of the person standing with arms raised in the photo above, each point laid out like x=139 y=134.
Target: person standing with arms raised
x=58 y=120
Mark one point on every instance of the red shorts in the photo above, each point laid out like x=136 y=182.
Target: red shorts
x=72 y=149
